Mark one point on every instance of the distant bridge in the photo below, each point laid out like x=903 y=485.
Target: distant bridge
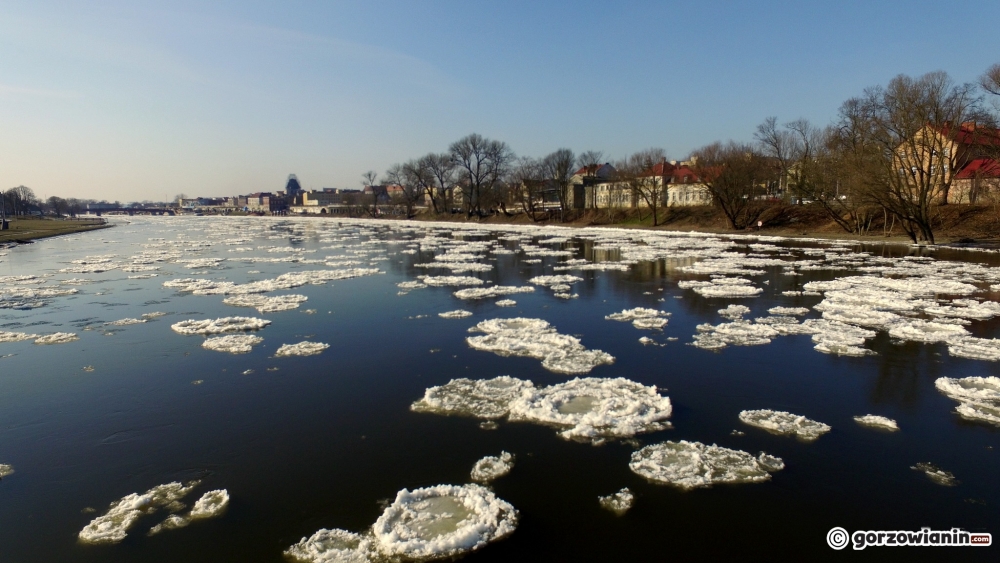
x=134 y=211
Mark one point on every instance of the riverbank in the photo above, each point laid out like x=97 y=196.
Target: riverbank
x=957 y=225
x=24 y=229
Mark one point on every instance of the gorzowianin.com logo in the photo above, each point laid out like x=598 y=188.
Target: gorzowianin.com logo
x=838 y=538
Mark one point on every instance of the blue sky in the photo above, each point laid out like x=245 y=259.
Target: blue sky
x=143 y=100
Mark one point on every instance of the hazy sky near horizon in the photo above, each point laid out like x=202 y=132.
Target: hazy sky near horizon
x=134 y=100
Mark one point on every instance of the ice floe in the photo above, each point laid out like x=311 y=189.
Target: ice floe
x=875 y=421
x=490 y=292
x=126 y=322
x=642 y=318
x=492 y=467
x=6 y=470
x=265 y=304
x=594 y=409
x=535 y=338
x=443 y=521
x=210 y=505
x=332 y=546
x=736 y=333
x=619 y=502
x=456 y=314
x=454 y=281
x=690 y=465
x=978 y=397
x=233 y=343
x=505 y=303
x=304 y=348
x=16 y=336
x=57 y=338
x=113 y=526
x=217 y=326
x=483 y=398
x=936 y=474
x=785 y=424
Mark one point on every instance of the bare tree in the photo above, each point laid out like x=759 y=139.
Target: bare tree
x=990 y=81
x=736 y=175
x=442 y=170
x=483 y=163
x=368 y=181
x=558 y=167
x=22 y=199
x=907 y=150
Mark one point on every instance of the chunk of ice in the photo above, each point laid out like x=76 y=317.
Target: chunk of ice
x=690 y=465
x=443 y=521
x=456 y=314
x=304 y=348
x=113 y=526
x=484 y=398
x=6 y=470
x=619 y=503
x=217 y=326
x=57 y=338
x=592 y=409
x=233 y=343
x=785 y=424
x=492 y=467
x=535 y=338
x=875 y=421
x=331 y=546
x=936 y=474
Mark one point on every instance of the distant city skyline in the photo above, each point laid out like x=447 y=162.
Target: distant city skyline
x=131 y=102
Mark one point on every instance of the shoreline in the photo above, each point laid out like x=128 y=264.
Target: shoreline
x=26 y=231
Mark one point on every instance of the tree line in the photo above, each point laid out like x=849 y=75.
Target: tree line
x=886 y=155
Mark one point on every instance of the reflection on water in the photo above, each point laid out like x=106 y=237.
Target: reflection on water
x=303 y=443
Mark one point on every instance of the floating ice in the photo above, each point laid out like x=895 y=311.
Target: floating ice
x=785 y=424
x=505 y=303
x=723 y=287
x=495 y=291
x=331 y=546
x=234 y=343
x=535 y=338
x=592 y=409
x=690 y=465
x=875 y=421
x=6 y=470
x=57 y=338
x=216 y=326
x=444 y=281
x=112 y=527
x=265 y=304
x=926 y=331
x=788 y=311
x=978 y=397
x=554 y=280
x=492 y=467
x=734 y=312
x=484 y=398
x=619 y=503
x=153 y=315
x=303 y=348
x=16 y=336
x=936 y=474
x=456 y=314
x=126 y=322
x=736 y=333
x=210 y=505
x=443 y=521
x=975 y=348
x=642 y=318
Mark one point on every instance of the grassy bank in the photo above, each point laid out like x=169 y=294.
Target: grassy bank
x=30 y=228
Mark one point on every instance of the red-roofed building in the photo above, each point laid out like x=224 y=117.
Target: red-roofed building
x=979 y=177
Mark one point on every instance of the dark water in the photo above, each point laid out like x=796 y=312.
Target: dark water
x=322 y=440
